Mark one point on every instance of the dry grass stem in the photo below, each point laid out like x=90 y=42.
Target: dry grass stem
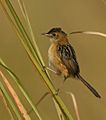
x=75 y=105
x=89 y=32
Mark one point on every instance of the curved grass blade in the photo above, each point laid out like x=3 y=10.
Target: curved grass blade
x=90 y=33
x=75 y=105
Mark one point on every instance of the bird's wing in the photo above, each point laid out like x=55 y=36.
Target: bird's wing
x=68 y=57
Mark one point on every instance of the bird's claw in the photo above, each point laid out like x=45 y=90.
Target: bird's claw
x=43 y=68
x=57 y=92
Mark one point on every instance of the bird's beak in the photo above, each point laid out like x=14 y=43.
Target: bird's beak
x=46 y=34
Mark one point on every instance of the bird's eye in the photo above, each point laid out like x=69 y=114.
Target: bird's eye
x=54 y=34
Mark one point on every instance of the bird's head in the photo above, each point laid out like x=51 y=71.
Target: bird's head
x=55 y=34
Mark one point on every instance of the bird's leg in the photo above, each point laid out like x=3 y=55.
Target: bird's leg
x=47 y=68
x=59 y=89
x=51 y=70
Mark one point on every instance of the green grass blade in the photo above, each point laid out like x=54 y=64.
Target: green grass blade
x=25 y=40
x=6 y=103
x=7 y=96
x=24 y=12
x=17 y=81
x=23 y=31
x=59 y=112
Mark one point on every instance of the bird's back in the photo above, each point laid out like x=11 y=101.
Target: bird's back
x=68 y=58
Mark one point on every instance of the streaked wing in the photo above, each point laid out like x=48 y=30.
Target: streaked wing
x=68 y=57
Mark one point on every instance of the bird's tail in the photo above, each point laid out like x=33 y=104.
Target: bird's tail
x=88 y=86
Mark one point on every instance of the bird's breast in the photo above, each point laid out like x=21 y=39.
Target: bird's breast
x=52 y=54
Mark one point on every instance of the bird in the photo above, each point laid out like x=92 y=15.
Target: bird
x=62 y=57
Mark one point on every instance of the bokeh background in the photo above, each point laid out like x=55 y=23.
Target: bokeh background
x=71 y=15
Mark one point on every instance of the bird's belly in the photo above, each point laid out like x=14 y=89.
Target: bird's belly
x=53 y=59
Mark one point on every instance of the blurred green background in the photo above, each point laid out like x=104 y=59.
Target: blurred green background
x=71 y=15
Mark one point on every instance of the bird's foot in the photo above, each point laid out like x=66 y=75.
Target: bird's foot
x=43 y=68
x=65 y=77
x=57 y=92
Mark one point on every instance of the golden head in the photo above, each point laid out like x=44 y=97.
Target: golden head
x=55 y=34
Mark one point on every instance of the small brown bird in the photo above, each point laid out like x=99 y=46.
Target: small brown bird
x=62 y=57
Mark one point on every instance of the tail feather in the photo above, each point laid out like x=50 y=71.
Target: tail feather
x=88 y=86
